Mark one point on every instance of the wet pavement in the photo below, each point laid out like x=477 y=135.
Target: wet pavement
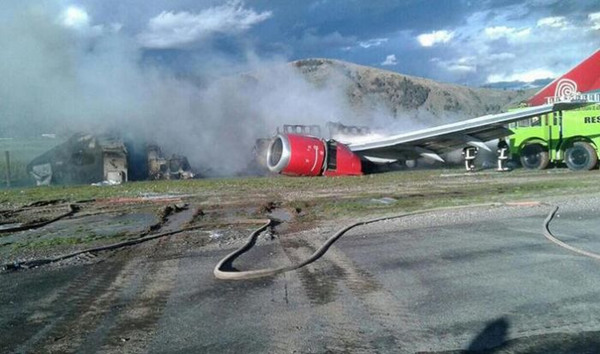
x=482 y=279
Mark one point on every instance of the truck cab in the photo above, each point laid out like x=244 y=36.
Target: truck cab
x=563 y=137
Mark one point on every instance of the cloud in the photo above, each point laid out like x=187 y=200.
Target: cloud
x=553 y=22
x=461 y=65
x=536 y=41
x=510 y=33
x=312 y=41
x=390 y=60
x=375 y=42
x=504 y=56
x=180 y=29
x=77 y=19
x=436 y=37
x=527 y=76
x=594 y=18
x=56 y=82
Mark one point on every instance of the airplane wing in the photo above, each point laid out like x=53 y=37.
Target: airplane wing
x=432 y=142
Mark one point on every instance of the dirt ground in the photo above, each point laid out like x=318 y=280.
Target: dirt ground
x=134 y=298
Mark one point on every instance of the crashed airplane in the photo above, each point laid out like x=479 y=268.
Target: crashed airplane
x=105 y=158
x=304 y=154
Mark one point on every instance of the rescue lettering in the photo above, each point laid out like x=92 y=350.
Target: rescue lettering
x=587 y=120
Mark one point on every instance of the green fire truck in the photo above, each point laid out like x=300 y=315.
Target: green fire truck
x=563 y=137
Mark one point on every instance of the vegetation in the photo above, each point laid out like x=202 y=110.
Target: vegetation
x=309 y=200
x=335 y=195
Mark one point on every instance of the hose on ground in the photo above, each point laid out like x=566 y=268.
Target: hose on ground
x=73 y=208
x=43 y=261
x=224 y=269
x=548 y=234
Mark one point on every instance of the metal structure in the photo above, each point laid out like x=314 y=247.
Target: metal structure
x=571 y=137
x=84 y=158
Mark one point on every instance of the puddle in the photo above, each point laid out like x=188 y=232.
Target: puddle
x=385 y=201
x=281 y=215
x=10 y=226
x=215 y=235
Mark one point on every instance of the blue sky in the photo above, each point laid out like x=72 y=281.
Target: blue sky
x=169 y=70
x=458 y=41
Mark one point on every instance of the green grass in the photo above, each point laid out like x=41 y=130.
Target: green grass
x=312 y=199
x=345 y=194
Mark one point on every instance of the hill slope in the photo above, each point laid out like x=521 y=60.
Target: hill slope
x=406 y=97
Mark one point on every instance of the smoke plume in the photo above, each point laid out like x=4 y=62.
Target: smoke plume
x=62 y=72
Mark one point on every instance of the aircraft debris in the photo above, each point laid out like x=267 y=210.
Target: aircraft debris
x=84 y=158
x=103 y=160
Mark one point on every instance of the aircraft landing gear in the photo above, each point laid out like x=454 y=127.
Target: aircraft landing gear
x=502 y=156
x=469 y=154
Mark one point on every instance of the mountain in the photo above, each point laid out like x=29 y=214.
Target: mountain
x=418 y=99
x=519 y=85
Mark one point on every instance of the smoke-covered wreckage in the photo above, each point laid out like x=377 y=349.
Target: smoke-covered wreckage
x=159 y=167
x=105 y=158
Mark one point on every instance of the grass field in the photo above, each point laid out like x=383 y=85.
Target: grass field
x=309 y=202
x=335 y=196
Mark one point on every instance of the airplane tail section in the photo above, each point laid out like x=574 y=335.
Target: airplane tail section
x=582 y=79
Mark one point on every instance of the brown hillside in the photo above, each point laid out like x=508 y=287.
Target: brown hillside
x=419 y=99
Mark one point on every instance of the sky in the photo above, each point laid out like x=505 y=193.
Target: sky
x=458 y=41
x=207 y=78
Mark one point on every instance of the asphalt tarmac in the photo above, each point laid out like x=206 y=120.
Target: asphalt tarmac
x=478 y=279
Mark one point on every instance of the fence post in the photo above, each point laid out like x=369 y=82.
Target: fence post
x=7 y=155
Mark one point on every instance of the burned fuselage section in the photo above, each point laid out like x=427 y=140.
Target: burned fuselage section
x=160 y=167
x=105 y=158
x=84 y=158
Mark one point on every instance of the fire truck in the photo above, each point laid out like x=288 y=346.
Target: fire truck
x=570 y=138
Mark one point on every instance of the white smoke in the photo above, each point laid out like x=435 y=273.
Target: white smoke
x=61 y=71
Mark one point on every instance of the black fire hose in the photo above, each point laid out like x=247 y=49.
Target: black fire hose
x=553 y=239
x=224 y=270
x=73 y=208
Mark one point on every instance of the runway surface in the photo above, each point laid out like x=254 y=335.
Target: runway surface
x=483 y=279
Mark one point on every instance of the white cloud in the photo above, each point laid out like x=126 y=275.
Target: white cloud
x=554 y=22
x=527 y=76
x=77 y=19
x=459 y=66
x=464 y=64
x=375 y=42
x=506 y=32
x=179 y=29
x=501 y=56
x=390 y=60
x=595 y=20
x=430 y=39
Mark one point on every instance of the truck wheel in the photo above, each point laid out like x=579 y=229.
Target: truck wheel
x=581 y=156
x=534 y=157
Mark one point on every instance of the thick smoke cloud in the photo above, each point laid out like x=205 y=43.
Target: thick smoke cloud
x=83 y=76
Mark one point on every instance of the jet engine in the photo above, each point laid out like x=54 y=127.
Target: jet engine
x=302 y=155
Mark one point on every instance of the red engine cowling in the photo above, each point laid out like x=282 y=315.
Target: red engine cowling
x=343 y=162
x=301 y=155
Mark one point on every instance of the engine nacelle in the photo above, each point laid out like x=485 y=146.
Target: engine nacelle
x=301 y=155
x=341 y=161
x=296 y=155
